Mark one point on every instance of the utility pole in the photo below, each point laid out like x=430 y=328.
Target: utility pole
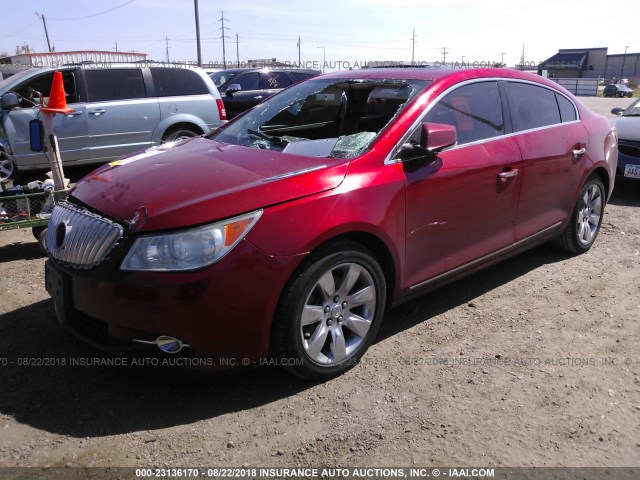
x=324 y=58
x=624 y=60
x=166 y=39
x=502 y=61
x=195 y=4
x=222 y=35
x=444 y=56
x=413 y=46
x=46 y=32
x=299 y=60
x=238 y=50
x=522 y=58
x=116 y=45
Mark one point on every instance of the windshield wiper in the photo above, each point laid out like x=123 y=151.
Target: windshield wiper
x=266 y=137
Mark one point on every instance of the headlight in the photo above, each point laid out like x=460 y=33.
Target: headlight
x=188 y=249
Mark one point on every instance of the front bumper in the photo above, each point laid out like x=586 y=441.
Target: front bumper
x=223 y=312
x=628 y=154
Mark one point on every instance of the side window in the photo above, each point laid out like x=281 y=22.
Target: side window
x=532 y=106
x=247 y=81
x=274 y=80
x=42 y=83
x=567 y=110
x=475 y=110
x=171 y=82
x=114 y=84
x=299 y=76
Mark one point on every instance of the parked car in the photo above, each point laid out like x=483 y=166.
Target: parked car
x=290 y=230
x=628 y=125
x=117 y=111
x=617 y=90
x=244 y=88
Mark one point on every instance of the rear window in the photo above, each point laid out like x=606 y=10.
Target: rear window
x=115 y=84
x=567 y=110
x=170 y=82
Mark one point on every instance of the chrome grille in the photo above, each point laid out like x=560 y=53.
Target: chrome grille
x=78 y=238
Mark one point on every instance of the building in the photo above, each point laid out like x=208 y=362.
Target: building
x=591 y=63
x=26 y=58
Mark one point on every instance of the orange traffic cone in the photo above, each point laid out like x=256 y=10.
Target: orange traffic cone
x=57 y=99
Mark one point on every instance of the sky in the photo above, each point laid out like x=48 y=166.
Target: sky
x=346 y=32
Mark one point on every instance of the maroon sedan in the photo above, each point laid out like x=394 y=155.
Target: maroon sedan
x=286 y=233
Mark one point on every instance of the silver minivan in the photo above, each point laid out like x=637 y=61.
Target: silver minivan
x=118 y=109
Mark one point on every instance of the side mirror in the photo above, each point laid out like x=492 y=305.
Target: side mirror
x=10 y=101
x=434 y=137
x=234 y=87
x=36 y=134
x=617 y=111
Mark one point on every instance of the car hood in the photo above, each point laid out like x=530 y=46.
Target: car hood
x=200 y=181
x=628 y=128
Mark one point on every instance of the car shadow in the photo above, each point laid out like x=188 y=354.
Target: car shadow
x=20 y=251
x=467 y=289
x=41 y=388
x=626 y=193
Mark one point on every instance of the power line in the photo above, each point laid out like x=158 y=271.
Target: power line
x=94 y=14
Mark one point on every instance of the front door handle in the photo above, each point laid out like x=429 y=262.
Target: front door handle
x=97 y=112
x=76 y=113
x=579 y=152
x=504 y=176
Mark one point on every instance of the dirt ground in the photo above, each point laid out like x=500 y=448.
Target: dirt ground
x=532 y=362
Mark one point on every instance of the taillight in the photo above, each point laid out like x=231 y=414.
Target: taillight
x=222 y=112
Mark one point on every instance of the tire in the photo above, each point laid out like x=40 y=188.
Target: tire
x=586 y=218
x=179 y=134
x=330 y=312
x=36 y=231
x=42 y=240
x=7 y=167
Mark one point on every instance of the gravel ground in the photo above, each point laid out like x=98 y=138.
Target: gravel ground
x=532 y=362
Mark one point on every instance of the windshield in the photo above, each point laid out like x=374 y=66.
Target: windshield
x=323 y=118
x=222 y=77
x=632 y=110
x=13 y=79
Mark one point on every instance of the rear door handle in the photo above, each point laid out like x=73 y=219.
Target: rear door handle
x=579 y=152
x=504 y=176
x=98 y=111
x=77 y=113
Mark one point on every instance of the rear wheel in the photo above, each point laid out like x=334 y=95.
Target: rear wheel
x=584 y=225
x=330 y=314
x=178 y=134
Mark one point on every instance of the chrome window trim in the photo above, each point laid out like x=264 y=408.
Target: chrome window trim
x=391 y=160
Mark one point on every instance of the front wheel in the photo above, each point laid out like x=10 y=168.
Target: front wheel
x=584 y=225
x=330 y=313
x=7 y=167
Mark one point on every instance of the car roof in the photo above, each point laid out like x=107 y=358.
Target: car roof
x=271 y=69
x=447 y=75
